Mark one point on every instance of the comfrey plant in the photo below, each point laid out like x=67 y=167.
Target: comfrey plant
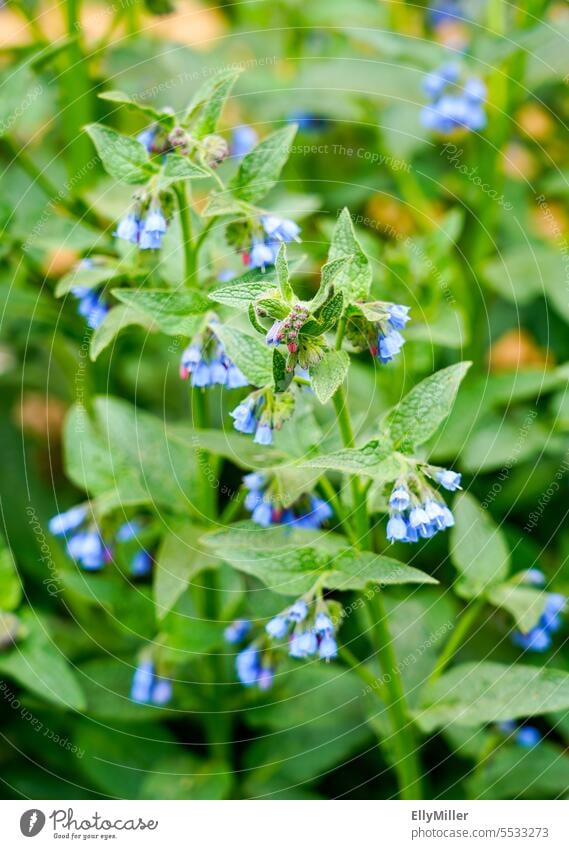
x=454 y=104
x=271 y=489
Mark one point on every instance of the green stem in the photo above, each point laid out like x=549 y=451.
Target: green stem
x=464 y=623
x=77 y=106
x=331 y=496
x=186 y=225
x=233 y=507
x=203 y=458
x=361 y=670
x=406 y=762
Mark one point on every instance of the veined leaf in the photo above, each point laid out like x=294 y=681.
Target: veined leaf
x=173 y=311
x=123 y=157
x=245 y=289
x=478 y=548
x=181 y=168
x=260 y=168
x=126 y=100
x=206 y=105
x=114 y=322
x=355 y=279
x=249 y=353
x=425 y=407
x=329 y=374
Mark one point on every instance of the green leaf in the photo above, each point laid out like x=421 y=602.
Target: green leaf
x=128 y=451
x=183 y=776
x=368 y=460
x=39 y=665
x=240 y=449
x=355 y=279
x=245 y=289
x=20 y=89
x=124 y=158
x=181 y=168
x=249 y=353
x=126 y=100
x=107 y=685
x=224 y=203
x=206 y=105
x=10 y=585
x=515 y=771
x=354 y=571
x=526 y=604
x=426 y=406
x=281 y=377
x=87 y=278
x=180 y=557
x=114 y=322
x=474 y=693
x=527 y=271
x=477 y=547
x=174 y=312
x=329 y=374
x=281 y=267
x=260 y=168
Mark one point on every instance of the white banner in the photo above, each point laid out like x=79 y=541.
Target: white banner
x=285 y=824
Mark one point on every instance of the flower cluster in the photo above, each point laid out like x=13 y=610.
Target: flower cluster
x=308 y=512
x=526 y=736
x=148 y=688
x=267 y=240
x=539 y=638
x=262 y=412
x=206 y=363
x=143 y=229
x=376 y=326
x=85 y=544
x=416 y=510
x=306 y=626
x=453 y=105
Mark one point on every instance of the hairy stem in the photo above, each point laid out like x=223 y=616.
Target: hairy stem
x=186 y=226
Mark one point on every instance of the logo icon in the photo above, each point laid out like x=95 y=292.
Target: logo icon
x=32 y=822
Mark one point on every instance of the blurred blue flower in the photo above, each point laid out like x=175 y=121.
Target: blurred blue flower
x=147 y=687
x=453 y=106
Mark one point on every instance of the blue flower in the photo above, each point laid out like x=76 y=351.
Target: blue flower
x=534 y=577
x=127 y=531
x=457 y=107
x=244 y=417
x=528 y=736
x=141 y=564
x=389 y=344
x=328 y=647
x=308 y=121
x=88 y=549
x=265 y=246
x=261 y=255
x=396 y=528
x=263 y=514
x=400 y=498
x=243 y=140
x=277 y=627
x=323 y=625
x=70 y=520
x=152 y=230
x=237 y=631
x=147 y=687
x=299 y=611
x=128 y=228
x=303 y=644
x=251 y=670
x=90 y=306
x=448 y=479
x=207 y=364
x=282 y=229
x=398 y=315
x=539 y=638
x=263 y=434
x=445 y=10
x=147 y=136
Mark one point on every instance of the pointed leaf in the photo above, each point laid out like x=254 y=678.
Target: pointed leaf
x=329 y=374
x=477 y=547
x=260 y=169
x=355 y=279
x=123 y=157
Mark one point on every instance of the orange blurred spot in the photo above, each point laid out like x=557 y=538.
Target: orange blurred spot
x=517 y=349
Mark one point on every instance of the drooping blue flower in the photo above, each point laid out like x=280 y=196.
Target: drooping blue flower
x=400 y=498
x=128 y=530
x=441 y=11
x=261 y=255
x=141 y=563
x=152 y=229
x=263 y=434
x=68 y=521
x=252 y=670
x=237 y=631
x=448 y=479
x=309 y=122
x=417 y=514
x=263 y=514
x=265 y=245
x=323 y=625
x=244 y=417
x=277 y=627
x=303 y=644
x=396 y=528
x=149 y=688
x=535 y=577
x=128 y=228
x=328 y=647
x=398 y=315
x=298 y=611
x=389 y=344
x=539 y=638
x=243 y=140
x=282 y=229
